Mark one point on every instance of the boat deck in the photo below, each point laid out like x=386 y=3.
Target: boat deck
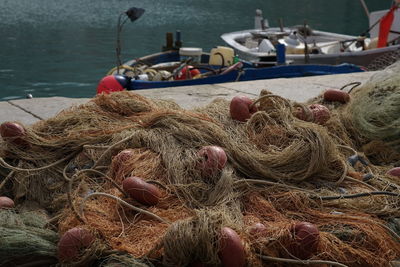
x=28 y=111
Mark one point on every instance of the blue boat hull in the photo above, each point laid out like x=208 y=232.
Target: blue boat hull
x=249 y=74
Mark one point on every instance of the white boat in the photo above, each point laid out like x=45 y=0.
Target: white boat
x=304 y=45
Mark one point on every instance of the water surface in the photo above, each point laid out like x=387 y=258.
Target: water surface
x=63 y=48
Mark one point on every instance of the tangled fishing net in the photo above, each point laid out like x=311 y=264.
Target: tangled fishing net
x=290 y=191
x=25 y=237
x=376 y=107
x=384 y=61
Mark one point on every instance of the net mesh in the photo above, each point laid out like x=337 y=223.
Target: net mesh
x=280 y=171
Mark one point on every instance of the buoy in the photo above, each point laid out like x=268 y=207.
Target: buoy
x=188 y=72
x=112 y=83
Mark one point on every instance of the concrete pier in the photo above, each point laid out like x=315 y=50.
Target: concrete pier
x=28 y=111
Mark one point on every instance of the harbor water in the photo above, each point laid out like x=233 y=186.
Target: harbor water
x=63 y=48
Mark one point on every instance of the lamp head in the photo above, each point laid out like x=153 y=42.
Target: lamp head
x=134 y=13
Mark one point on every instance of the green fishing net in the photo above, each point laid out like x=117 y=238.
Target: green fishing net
x=375 y=108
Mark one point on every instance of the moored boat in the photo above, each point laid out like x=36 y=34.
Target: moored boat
x=307 y=46
x=183 y=66
x=170 y=69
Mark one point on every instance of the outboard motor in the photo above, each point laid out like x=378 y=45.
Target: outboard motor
x=259 y=21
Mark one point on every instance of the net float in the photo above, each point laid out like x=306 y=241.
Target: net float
x=305 y=240
x=6 y=203
x=13 y=132
x=141 y=191
x=257 y=229
x=394 y=171
x=212 y=159
x=73 y=243
x=241 y=108
x=188 y=72
x=231 y=252
x=335 y=95
x=321 y=114
x=113 y=83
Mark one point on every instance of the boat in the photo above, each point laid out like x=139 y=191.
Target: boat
x=304 y=45
x=177 y=65
x=171 y=69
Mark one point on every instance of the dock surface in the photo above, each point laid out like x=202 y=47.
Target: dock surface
x=29 y=111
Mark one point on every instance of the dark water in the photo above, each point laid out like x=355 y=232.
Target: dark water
x=64 y=47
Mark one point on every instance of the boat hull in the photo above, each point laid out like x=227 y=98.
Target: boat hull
x=247 y=72
x=362 y=58
x=250 y=74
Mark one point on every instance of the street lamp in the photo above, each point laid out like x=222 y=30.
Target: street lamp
x=133 y=14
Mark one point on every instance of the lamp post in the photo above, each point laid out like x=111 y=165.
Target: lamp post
x=133 y=14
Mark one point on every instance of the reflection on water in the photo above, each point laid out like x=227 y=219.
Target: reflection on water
x=63 y=48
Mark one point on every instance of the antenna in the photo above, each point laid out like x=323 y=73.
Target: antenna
x=133 y=14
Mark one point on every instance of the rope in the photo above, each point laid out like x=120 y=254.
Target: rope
x=222 y=61
x=367 y=194
x=303 y=262
x=255 y=181
x=345 y=170
x=8 y=166
x=109 y=148
x=123 y=203
x=361 y=182
x=125 y=67
x=240 y=73
x=394 y=234
x=71 y=181
x=348 y=148
x=355 y=84
x=6 y=179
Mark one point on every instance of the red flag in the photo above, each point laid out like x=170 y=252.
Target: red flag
x=384 y=27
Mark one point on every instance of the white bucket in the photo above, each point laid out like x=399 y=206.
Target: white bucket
x=193 y=52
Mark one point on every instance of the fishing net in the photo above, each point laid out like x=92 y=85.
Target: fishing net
x=123 y=261
x=375 y=108
x=349 y=235
x=196 y=239
x=384 y=61
x=280 y=171
x=25 y=238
